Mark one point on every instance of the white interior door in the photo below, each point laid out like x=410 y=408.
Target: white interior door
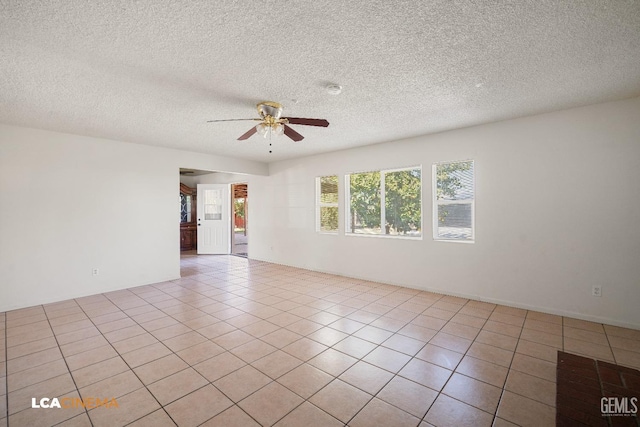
x=213 y=219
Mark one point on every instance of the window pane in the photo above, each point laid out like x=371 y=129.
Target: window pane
x=454 y=193
x=329 y=218
x=454 y=181
x=329 y=189
x=364 y=206
x=183 y=208
x=327 y=204
x=455 y=221
x=212 y=204
x=402 y=202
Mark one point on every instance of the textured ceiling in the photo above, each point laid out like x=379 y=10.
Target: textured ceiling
x=153 y=72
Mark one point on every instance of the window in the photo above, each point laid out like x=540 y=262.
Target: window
x=387 y=202
x=453 y=207
x=213 y=205
x=327 y=204
x=185 y=207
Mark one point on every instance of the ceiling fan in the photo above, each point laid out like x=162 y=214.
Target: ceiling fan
x=271 y=122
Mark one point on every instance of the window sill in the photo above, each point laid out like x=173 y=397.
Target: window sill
x=454 y=241
x=384 y=236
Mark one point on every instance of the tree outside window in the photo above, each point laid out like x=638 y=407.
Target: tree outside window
x=454 y=194
x=385 y=203
x=327 y=204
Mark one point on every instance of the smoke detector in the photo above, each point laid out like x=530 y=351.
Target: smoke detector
x=334 y=89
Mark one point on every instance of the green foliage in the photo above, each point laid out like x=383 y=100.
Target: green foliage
x=448 y=183
x=365 y=199
x=329 y=218
x=329 y=189
x=329 y=195
x=448 y=180
x=402 y=201
x=403 y=210
x=238 y=206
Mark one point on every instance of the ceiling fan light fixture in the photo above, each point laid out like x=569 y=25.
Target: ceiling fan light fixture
x=262 y=129
x=267 y=130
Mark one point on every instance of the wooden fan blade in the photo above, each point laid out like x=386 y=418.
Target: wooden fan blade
x=307 y=122
x=231 y=120
x=248 y=134
x=292 y=134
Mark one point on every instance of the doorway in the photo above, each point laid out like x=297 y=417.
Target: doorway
x=239 y=223
x=213 y=219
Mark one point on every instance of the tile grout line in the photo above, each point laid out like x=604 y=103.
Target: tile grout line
x=395 y=374
x=119 y=355
x=328 y=347
x=177 y=355
x=282 y=327
x=275 y=380
x=520 y=333
x=556 y=352
x=406 y=322
x=454 y=369
x=613 y=354
x=189 y=365
x=65 y=363
x=504 y=385
x=303 y=362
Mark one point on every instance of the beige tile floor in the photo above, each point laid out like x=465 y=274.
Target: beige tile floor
x=237 y=342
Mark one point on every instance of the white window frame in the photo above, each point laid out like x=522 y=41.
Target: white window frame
x=437 y=203
x=320 y=205
x=383 y=172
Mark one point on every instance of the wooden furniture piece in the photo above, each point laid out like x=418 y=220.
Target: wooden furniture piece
x=188 y=225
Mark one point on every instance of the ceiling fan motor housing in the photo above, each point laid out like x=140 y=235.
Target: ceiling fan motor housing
x=269 y=108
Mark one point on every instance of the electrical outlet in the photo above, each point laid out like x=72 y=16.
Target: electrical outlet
x=95 y=272
x=596 y=291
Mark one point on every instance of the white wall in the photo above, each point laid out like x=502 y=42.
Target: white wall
x=557 y=211
x=70 y=203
